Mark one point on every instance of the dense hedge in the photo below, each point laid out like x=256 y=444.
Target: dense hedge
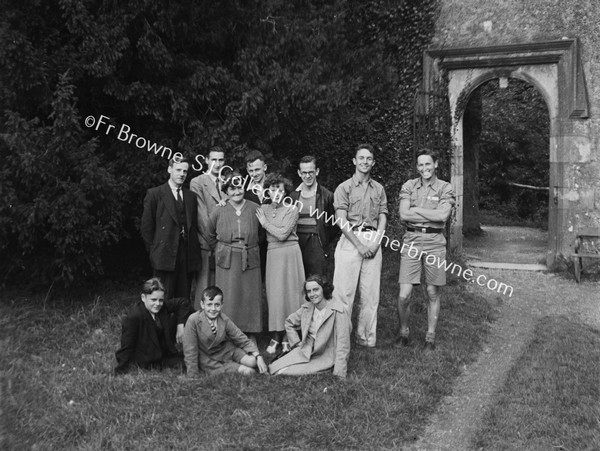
x=288 y=78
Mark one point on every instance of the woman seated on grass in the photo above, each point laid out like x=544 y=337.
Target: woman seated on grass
x=212 y=343
x=325 y=328
x=150 y=330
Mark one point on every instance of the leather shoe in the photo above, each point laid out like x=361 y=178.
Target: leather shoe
x=429 y=346
x=402 y=340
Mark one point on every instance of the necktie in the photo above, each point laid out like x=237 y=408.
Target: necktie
x=181 y=213
x=157 y=322
x=213 y=327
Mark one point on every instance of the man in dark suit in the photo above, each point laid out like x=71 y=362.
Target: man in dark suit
x=170 y=231
x=150 y=330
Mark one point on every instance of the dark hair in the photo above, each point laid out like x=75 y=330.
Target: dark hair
x=179 y=159
x=216 y=149
x=275 y=178
x=211 y=292
x=426 y=151
x=233 y=178
x=254 y=155
x=369 y=147
x=152 y=285
x=309 y=159
x=323 y=282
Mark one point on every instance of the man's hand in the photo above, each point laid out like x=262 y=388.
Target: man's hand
x=179 y=335
x=369 y=251
x=373 y=249
x=364 y=251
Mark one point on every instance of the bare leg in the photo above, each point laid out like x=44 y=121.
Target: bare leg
x=248 y=363
x=433 y=309
x=404 y=307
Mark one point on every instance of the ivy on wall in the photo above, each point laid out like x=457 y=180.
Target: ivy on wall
x=288 y=78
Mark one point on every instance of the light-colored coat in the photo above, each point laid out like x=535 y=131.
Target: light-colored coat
x=208 y=198
x=331 y=346
x=205 y=351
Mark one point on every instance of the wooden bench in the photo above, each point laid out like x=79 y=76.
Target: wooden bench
x=592 y=233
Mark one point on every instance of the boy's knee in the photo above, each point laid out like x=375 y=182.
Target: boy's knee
x=246 y=370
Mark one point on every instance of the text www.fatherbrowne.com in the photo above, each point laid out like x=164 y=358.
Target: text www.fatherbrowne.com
x=395 y=245
x=413 y=252
x=140 y=142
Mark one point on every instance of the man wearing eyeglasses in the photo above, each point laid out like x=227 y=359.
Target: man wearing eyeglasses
x=314 y=230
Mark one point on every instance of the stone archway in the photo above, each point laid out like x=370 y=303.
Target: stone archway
x=555 y=70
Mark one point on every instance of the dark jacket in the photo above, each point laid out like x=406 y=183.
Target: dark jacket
x=325 y=223
x=160 y=228
x=140 y=341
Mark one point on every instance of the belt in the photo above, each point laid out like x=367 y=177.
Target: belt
x=424 y=229
x=311 y=229
x=360 y=228
x=244 y=249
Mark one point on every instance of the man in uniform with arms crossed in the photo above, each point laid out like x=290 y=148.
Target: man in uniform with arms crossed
x=425 y=205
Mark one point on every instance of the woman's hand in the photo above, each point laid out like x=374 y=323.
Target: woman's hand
x=262 y=366
x=262 y=218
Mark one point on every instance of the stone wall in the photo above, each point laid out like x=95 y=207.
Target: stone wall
x=475 y=23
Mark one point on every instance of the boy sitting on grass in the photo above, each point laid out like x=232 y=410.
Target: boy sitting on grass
x=152 y=330
x=214 y=344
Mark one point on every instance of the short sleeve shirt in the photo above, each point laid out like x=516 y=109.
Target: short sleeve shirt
x=364 y=201
x=438 y=194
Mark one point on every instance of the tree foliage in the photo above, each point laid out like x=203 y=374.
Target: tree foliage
x=288 y=78
x=514 y=148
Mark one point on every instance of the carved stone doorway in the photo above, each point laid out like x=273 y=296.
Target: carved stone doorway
x=555 y=70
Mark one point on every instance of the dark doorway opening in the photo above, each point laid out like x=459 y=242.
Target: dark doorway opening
x=506 y=173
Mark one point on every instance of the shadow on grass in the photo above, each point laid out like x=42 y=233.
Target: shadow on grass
x=58 y=391
x=551 y=398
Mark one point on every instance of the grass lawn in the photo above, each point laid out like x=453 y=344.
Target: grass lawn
x=551 y=398
x=57 y=390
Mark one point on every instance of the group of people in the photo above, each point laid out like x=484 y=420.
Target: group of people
x=229 y=235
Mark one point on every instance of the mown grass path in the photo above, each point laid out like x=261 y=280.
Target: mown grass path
x=536 y=295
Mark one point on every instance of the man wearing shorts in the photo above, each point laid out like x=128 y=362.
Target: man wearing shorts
x=425 y=205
